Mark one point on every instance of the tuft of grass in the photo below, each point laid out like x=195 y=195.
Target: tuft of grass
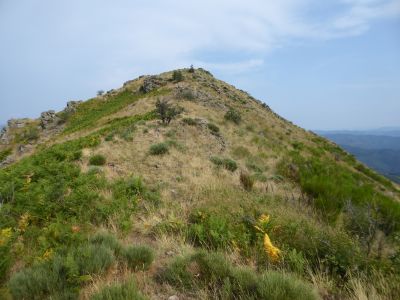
x=190 y=121
x=241 y=152
x=227 y=163
x=124 y=291
x=97 y=160
x=247 y=181
x=138 y=257
x=213 y=128
x=158 y=149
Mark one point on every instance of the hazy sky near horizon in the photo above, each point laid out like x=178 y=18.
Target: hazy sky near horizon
x=321 y=64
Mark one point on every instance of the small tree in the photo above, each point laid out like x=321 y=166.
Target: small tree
x=177 y=76
x=191 y=70
x=166 y=112
x=100 y=93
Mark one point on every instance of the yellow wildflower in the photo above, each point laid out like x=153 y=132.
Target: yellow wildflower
x=23 y=222
x=263 y=219
x=48 y=254
x=272 y=252
x=5 y=235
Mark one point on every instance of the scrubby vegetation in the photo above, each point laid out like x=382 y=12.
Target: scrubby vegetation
x=301 y=219
x=233 y=116
x=227 y=163
x=97 y=160
x=158 y=149
x=5 y=153
x=213 y=128
x=124 y=291
x=138 y=257
x=166 y=111
x=211 y=271
x=177 y=76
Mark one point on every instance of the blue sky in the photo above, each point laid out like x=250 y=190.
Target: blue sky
x=321 y=64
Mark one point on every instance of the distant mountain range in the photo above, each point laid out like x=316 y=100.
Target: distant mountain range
x=379 y=148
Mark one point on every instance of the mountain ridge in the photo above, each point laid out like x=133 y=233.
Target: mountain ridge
x=180 y=185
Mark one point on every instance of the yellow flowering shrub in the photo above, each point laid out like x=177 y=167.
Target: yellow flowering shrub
x=273 y=252
x=5 y=235
x=23 y=222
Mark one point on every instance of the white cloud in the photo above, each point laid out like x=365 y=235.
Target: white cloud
x=126 y=36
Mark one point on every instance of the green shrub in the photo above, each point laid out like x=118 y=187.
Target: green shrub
x=91 y=259
x=247 y=181
x=213 y=128
x=60 y=277
x=158 y=149
x=233 y=116
x=211 y=271
x=33 y=283
x=124 y=291
x=210 y=231
x=277 y=286
x=29 y=134
x=97 y=160
x=108 y=240
x=190 y=121
x=77 y=155
x=177 y=76
x=166 y=112
x=227 y=163
x=138 y=257
x=4 y=154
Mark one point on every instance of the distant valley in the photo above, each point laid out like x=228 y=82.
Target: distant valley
x=379 y=149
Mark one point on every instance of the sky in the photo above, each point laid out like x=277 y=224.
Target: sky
x=321 y=64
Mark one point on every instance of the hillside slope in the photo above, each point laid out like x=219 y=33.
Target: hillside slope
x=227 y=201
x=379 y=152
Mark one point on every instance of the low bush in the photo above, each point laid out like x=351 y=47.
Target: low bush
x=4 y=154
x=138 y=257
x=177 y=76
x=97 y=160
x=124 y=291
x=213 y=128
x=62 y=275
x=227 y=163
x=107 y=240
x=158 y=149
x=247 y=181
x=233 y=116
x=190 y=121
x=222 y=280
x=210 y=231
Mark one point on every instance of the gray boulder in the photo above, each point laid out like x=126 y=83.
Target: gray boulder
x=71 y=106
x=151 y=83
x=48 y=119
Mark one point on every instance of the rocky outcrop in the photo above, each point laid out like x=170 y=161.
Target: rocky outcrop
x=4 y=136
x=48 y=119
x=17 y=123
x=151 y=83
x=71 y=106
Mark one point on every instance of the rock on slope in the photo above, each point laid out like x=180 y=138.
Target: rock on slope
x=228 y=201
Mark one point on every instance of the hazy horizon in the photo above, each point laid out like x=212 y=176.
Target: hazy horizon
x=330 y=66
